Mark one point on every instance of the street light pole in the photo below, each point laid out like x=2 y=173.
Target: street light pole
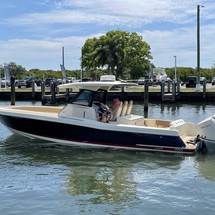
x=81 y=65
x=198 y=49
x=175 y=68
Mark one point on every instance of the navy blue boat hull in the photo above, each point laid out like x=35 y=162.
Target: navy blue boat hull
x=93 y=136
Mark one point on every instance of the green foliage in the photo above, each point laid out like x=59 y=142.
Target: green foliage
x=128 y=68
x=19 y=72
x=183 y=72
x=119 y=52
x=15 y=70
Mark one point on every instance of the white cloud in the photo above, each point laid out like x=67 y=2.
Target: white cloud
x=116 y=12
x=48 y=53
x=181 y=42
x=57 y=26
x=169 y=10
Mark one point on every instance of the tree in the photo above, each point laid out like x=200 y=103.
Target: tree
x=15 y=70
x=118 y=51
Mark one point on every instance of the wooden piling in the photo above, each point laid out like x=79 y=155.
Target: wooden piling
x=52 y=90
x=43 y=92
x=67 y=94
x=178 y=89
x=33 y=89
x=146 y=95
x=162 y=90
x=57 y=90
x=12 y=95
x=173 y=90
x=168 y=86
x=204 y=89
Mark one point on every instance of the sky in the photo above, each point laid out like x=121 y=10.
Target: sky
x=33 y=32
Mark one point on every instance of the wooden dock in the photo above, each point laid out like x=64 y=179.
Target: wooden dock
x=51 y=96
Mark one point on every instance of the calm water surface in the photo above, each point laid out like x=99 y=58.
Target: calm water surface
x=40 y=179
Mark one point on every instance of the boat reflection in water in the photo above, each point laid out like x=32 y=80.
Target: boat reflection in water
x=103 y=175
x=39 y=177
x=116 y=177
x=206 y=165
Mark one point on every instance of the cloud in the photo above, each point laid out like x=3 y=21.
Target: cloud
x=168 y=26
x=48 y=53
x=181 y=42
x=116 y=12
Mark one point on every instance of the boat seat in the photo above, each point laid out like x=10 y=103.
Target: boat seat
x=130 y=105
x=116 y=113
x=124 y=108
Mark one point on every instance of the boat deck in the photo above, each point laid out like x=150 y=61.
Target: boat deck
x=38 y=109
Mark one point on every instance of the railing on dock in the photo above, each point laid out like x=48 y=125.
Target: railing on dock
x=173 y=91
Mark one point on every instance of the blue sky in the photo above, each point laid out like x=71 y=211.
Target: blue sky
x=33 y=32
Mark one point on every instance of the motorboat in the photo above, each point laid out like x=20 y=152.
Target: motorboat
x=206 y=130
x=88 y=121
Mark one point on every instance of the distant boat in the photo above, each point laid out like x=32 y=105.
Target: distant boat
x=88 y=121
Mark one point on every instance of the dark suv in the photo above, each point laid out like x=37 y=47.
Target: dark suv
x=191 y=81
x=27 y=82
x=54 y=80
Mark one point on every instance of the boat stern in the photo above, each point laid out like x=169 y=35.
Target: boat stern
x=206 y=130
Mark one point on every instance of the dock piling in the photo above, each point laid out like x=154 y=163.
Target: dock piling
x=204 y=89
x=162 y=90
x=173 y=90
x=12 y=95
x=53 y=95
x=178 y=89
x=33 y=89
x=146 y=95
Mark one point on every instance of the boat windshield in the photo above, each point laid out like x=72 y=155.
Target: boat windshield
x=87 y=97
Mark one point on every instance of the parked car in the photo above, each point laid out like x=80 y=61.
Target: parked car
x=191 y=81
x=4 y=82
x=87 y=79
x=141 y=81
x=202 y=79
x=71 y=79
x=27 y=82
x=54 y=80
x=213 y=81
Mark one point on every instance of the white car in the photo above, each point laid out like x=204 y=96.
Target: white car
x=4 y=83
x=141 y=81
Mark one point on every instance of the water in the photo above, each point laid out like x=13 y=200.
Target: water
x=38 y=179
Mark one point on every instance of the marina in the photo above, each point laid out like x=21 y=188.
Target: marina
x=118 y=128
x=60 y=180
